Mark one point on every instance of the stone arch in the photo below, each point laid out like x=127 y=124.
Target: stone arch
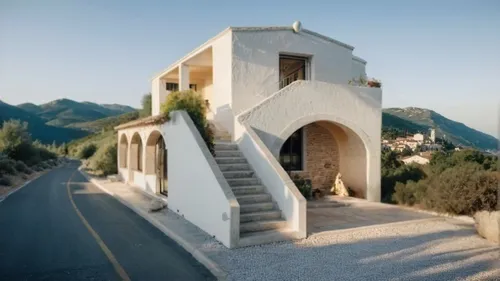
x=322 y=163
x=123 y=151
x=136 y=152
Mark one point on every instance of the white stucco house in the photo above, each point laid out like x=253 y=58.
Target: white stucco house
x=281 y=104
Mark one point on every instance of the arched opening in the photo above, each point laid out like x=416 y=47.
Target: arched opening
x=156 y=161
x=321 y=151
x=122 y=151
x=136 y=154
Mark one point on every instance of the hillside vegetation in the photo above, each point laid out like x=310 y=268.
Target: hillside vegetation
x=63 y=112
x=36 y=126
x=107 y=123
x=21 y=157
x=98 y=150
x=456 y=132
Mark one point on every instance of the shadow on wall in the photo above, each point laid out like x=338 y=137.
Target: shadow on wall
x=439 y=255
x=224 y=116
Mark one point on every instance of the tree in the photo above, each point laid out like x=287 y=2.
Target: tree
x=146 y=105
x=463 y=190
x=15 y=141
x=406 y=152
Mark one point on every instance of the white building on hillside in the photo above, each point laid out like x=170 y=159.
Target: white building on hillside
x=280 y=102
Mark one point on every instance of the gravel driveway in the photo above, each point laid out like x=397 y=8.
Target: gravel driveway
x=443 y=249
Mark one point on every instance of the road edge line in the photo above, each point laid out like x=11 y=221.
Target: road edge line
x=212 y=266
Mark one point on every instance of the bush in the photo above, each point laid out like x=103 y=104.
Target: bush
x=194 y=104
x=87 y=151
x=402 y=174
x=7 y=166
x=14 y=139
x=21 y=167
x=5 y=181
x=463 y=190
x=304 y=186
x=105 y=160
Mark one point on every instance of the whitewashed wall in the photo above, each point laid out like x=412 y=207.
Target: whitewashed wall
x=197 y=189
x=255 y=62
x=304 y=102
x=221 y=104
x=358 y=68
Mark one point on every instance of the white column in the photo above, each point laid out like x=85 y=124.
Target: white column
x=156 y=89
x=183 y=77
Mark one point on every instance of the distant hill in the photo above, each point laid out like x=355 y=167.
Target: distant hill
x=37 y=127
x=421 y=119
x=63 y=112
x=107 y=123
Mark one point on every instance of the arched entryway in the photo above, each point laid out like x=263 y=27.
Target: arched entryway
x=320 y=150
x=123 y=151
x=156 y=161
x=136 y=155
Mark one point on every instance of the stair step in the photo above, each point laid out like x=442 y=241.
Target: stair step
x=255 y=226
x=228 y=153
x=238 y=174
x=254 y=198
x=258 y=207
x=230 y=160
x=258 y=216
x=248 y=189
x=225 y=146
x=234 y=167
x=243 y=181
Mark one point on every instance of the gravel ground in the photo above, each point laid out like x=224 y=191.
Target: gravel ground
x=427 y=250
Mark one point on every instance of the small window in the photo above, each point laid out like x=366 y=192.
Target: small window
x=192 y=87
x=173 y=87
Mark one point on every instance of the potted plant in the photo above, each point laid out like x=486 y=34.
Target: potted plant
x=373 y=83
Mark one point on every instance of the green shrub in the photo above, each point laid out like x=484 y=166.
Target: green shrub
x=463 y=190
x=194 y=104
x=5 y=181
x=105 y=160
x=304 y=186
x=87 y=151
x=7 y=166
x=400 y=174
x=21 y=167
x=14 y=139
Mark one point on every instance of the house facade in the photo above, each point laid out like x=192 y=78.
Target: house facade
x=281 y=105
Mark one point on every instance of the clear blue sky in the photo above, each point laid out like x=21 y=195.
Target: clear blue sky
x=442 y=55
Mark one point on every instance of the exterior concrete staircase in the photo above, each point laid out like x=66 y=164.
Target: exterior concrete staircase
x=260 y=218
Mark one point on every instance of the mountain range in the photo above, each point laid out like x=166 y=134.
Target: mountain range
x=63 y=112
x=59 y=120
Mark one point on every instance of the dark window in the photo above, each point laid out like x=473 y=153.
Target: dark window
x=291 y=152
x=139 y=157
x=172 y=87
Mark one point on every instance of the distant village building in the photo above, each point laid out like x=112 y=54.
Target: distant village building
x=416 y=159
x=418 y=137
x=433 y=135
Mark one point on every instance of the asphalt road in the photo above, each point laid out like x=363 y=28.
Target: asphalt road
x=43 y=236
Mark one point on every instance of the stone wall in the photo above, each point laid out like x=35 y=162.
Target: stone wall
x=321 y=159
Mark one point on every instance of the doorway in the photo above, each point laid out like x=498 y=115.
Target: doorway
x=292 y=68
x=161 y=167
